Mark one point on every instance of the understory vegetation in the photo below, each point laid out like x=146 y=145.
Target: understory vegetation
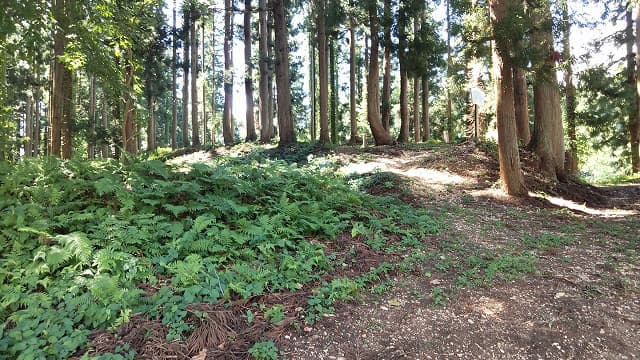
x=88 y=245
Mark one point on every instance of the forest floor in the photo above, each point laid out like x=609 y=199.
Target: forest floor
x=555 y=275
x=581 y=300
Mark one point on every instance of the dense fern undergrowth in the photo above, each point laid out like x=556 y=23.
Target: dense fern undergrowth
x=81 y=240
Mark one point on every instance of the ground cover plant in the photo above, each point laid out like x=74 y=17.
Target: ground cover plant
x=91 y=245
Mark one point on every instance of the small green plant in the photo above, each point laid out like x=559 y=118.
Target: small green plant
x=439 y=296
x=265 y=350
x=547 y=241
x=274 y=314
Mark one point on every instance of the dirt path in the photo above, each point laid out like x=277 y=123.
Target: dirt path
x=582 y=300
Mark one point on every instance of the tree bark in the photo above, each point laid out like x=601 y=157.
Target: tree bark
x=227 y=117
x=333 y=102
x=248 y=77
x=174 y=84
x=266 y=127
x=193 y=32
x=634 y=126
x=509 y=158
x=352 y=81
x=571 y=159
x=104 y=149
x=521 y=103
x=128 y=133
x=91 y=141
x=323 y=73
x=449 y=128
x=548 y=138
x=380 y=134
x=285 y=119
x=312 y=88
x=426 y=125
x=386 y=66
x=186 y=17
x=59 y=74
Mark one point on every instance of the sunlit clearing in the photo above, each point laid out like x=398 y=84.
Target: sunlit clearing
x=437 y=178
x=583 y=207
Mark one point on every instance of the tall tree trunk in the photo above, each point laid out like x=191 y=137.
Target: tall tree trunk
x=28 y=126
x=634 y=126
x=521 y=103
x=403 y=136
x=386 y=66
x=91 y=143
x=195 y=126
x=548 y=138
x=174 y=84
x=36 y=115
x=151 y=124
x=266 y=127
x=248 y=76
x=128 y=127
x=449 y=128
x=333 y=102
x=426 y=124
x=204 y=88
x=508 y=156
x=416 y=87
x=104 y=149
x=323 y=73
x=227 y=117
x=58 y=74
x=571 y=159
x=214 y=83
x=67 y=115
x=285 y=119
x=352 y=81
x=272 y=60
x=312 y=87
x=380 y=134
x=186 y=17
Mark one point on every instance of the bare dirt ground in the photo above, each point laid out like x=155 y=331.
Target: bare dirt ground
x=582 y=301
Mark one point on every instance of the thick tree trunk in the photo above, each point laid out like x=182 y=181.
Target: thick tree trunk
x=266 y=128
x=28 y=126
x=323 y=73
x=380 y=134
x=285 y=119
x=185 y=78
x=58 y=74
x=312 y=88
x=416 y=89
x=403 y=136
x=571 y=159
x=634 y=126
x=448 y=136
x=193 y=32
x=104 y=149
x=174 y=84
x=272 y=99
x=67 y=115
x=426 y=124
x=151 y=124
x=521 y=103
x=128 y=133
x=352 y=82
x=248 y=76
x=204 y=89
x=509 y=158
x=91 y=141
x=333 y=102
x=548 y=138
x=227 y=117
x=386 y=67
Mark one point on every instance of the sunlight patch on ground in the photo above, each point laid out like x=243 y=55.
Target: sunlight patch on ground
x=582 y=207
x=183 y=162
x=432 y=177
